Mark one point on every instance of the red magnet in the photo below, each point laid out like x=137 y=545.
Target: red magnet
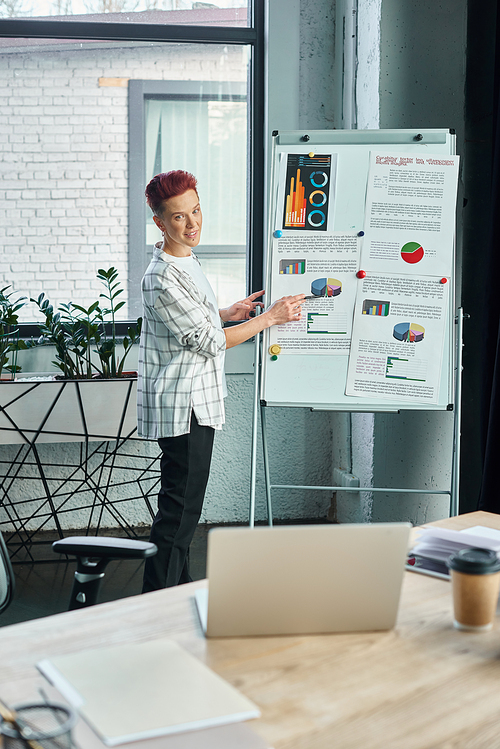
x=444 y=280
x=361 y=273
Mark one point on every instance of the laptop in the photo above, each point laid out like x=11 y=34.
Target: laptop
x=303 y=579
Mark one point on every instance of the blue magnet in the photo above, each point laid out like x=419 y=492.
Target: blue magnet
x=361 y=234
x=278 y=233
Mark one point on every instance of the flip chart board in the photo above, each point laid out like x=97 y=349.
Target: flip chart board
x=363 y=223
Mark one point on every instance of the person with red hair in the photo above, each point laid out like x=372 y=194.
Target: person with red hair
x=181 y=385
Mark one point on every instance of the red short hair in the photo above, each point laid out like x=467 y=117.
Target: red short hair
x=168 y=185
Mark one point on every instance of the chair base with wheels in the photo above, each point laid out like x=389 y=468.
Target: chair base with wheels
x=7 y=585
x=93 y=554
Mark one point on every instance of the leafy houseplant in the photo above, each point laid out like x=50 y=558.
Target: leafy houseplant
x=110 y=364
x=9 y=335
x=77 y=332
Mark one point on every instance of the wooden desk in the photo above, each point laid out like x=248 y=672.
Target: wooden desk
x=422 y=685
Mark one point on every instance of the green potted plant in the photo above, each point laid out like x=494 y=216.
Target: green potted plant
x=77 y=332
x=88 y=351
x=111 y=364
x=10 y=343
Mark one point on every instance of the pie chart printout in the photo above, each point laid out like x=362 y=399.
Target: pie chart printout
x=326 y=287
x=412 y=252
x=411 y=332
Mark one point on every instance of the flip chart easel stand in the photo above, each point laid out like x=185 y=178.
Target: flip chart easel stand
x=272 y=381
x=452 y=492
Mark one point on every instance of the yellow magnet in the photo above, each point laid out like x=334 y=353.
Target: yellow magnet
x=275 y=349
x=311 y=154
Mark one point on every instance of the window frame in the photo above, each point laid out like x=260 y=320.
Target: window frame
x=252 y=36
x=139 y=91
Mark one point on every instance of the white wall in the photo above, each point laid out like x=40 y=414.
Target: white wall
x=410 y=73
x=368 y=69
x=317 y=80
x=422 y=78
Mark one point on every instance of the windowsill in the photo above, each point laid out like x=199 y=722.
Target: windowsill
x=239 y=360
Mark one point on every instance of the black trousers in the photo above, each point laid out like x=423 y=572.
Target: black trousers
x=185 y=467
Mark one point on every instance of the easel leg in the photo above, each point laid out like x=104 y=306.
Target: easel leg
x=253 y=463
x=455 y=463
x=266 y=465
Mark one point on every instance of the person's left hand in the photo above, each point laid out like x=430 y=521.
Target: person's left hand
x=241 y=310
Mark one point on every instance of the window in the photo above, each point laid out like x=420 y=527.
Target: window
x=199 y=126
x=182 y=12
x=92 y=111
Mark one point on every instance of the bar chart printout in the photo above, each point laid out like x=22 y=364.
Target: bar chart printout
x=398 y=368
x=307 y=192
x=296 y=267
x=326 y=323
x=392 y=355
x=375 y=307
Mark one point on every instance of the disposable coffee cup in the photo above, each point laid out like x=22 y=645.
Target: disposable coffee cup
x=475 y=580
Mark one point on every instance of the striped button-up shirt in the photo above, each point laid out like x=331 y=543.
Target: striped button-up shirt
x=180 y=367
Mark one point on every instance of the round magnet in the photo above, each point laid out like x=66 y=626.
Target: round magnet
x=274 y=358
x=311 y=154
x=361 y=234
x=278 y=233
x=444 y=280
x=275 y=349
x=361 y=274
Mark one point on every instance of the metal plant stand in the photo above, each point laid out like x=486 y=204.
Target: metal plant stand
x=102 y=474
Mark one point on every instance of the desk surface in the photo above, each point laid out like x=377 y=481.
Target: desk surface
x=421 y=685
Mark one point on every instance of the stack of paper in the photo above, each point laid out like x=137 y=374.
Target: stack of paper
x=435 y=545
x=144 y=690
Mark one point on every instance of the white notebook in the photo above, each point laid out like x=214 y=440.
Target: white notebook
x=230 y=736
x=142 y=690
x=434 y=545
x=439 y=543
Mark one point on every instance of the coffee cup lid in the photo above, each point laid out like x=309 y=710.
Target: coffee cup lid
x=474 y=561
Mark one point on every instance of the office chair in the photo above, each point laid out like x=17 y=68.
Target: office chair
x=7 y=584
x=93 y=554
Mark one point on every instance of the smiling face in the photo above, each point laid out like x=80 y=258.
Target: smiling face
x=180 y=221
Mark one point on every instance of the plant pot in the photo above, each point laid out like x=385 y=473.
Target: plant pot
x=67 y=410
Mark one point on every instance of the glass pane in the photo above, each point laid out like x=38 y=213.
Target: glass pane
x=64 y=161
x=208 y=139
x=190 y=12
x=227 y=278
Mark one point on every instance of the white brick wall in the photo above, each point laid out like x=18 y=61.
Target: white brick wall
x=64 y=152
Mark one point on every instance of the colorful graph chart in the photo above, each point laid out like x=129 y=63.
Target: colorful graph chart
x=412 y=252
x=326 y=287
x=398 y=368
x=326 y=323
x=293 y=266
x=295 y=207
x=375 y=307
x=411 y=332
x=306 y=194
